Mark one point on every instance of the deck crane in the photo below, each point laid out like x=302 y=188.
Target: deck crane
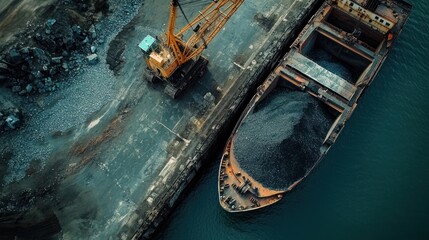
x=176 y=57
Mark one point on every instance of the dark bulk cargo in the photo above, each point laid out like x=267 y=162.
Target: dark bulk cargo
x=283 y=136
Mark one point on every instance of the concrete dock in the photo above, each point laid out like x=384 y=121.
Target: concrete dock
x=121 y=152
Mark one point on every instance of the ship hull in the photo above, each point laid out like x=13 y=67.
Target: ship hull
x=352 y=35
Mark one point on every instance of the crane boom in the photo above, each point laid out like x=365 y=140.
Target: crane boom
x=210 y=21
x=171 y=51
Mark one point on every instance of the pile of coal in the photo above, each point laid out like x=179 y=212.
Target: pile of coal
x=280 y=141
x=51 y=50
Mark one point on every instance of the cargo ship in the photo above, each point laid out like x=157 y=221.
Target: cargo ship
x=332 y=61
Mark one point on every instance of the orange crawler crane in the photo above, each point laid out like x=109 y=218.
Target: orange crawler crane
x=177 y=61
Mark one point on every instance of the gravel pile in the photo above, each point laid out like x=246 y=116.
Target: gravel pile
x=279 y=142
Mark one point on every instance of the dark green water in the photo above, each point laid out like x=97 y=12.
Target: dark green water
x=373 y=184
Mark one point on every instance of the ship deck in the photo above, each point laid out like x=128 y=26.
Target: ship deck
x=361 y=50
x=238 y=190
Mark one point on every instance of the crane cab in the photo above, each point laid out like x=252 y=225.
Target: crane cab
x=153 y=54
x=161 y=65
x=148 y=44
x=159 y=59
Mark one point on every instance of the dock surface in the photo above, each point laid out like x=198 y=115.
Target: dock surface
x=114 y=165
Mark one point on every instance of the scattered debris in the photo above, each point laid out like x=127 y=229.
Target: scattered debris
x=92 y=59
x=10 y=119
x=50 y=22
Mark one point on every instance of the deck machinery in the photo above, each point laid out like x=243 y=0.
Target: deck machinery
x=175 y=57
x=358 y=34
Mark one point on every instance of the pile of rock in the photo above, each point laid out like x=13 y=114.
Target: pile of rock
x=29 y=68
x=10 y=119
x=61 y=45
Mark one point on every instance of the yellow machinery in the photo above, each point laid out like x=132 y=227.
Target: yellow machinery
x=178 y=61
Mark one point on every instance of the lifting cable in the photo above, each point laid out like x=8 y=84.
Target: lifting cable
x=187 y=20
